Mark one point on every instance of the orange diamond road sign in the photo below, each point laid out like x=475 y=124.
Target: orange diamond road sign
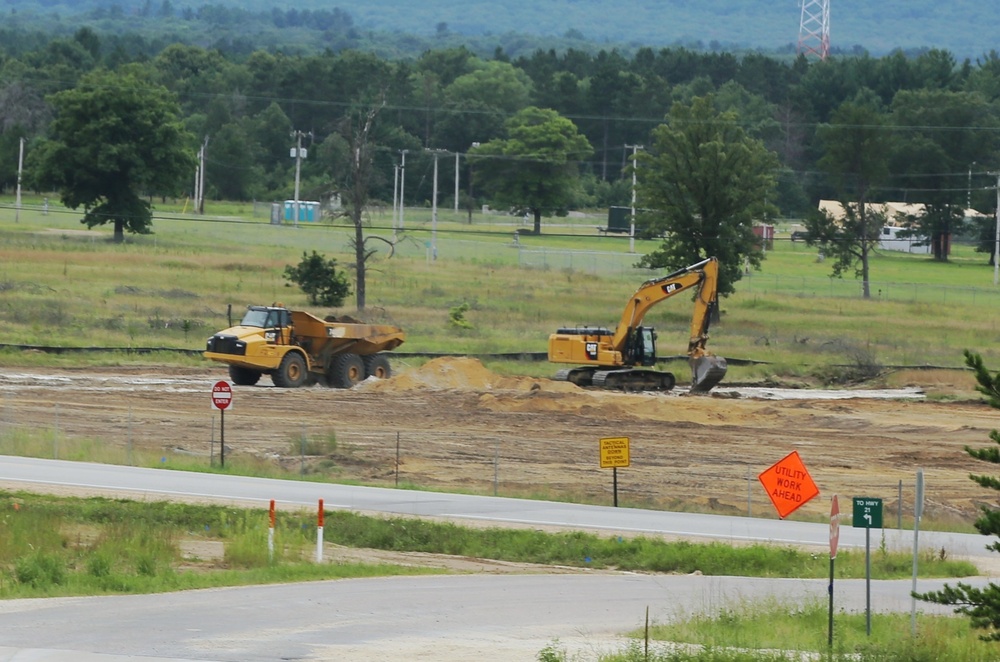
x=788 y=484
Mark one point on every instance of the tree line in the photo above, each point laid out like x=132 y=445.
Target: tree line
x=543 y=133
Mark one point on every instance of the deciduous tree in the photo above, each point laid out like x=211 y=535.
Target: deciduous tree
x=532 y=171
x=856 y=147
x=704 y=181
x=115 y=139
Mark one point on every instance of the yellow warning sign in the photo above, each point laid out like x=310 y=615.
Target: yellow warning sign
x=614 y=452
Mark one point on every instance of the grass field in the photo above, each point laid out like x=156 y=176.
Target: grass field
x=64 y=285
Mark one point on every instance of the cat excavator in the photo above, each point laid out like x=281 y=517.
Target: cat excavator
x=622 y=359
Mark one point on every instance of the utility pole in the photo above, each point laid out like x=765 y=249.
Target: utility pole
x=456 y=182
x=402 y=186
x=298 y=154
x=968 y=191
x=434 y=205
x=631 y=234
x=202 y=155
x=20 y=167
x=395 y=198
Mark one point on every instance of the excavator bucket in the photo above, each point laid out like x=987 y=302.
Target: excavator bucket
x=706 y=372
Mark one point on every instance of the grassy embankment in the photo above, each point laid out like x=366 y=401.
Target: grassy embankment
x=65 y=546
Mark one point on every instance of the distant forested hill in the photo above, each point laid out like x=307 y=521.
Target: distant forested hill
x=963 y=27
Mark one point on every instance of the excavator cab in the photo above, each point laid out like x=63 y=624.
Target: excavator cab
x=640 y=347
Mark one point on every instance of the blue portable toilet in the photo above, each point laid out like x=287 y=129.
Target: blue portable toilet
x=308 y=210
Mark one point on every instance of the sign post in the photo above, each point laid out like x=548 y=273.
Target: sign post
x=834 y=540
x=614 y=454
x=868 y=514
x=222 y=399
x=918 y=512
x=788 y=484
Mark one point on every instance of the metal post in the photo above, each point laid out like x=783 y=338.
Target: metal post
x=395 y=198
x=434 y=210
x=402 y=188
x=748 y=491
x=55 y=436
x=302 y=451
x=631 y=234
x=868 y=580
x=918 y=512
x=130 y=435
x=456 y=182
x=899 y=502
x=20 y=167
x=496 y=467
x=614 y=473
x=201 y=174
x=298 y=171
x=222 y=438
x=829 y=629
x=397 y=459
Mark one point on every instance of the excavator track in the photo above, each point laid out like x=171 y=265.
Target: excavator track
x=630 y=379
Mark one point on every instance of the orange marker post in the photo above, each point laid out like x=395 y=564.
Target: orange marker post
x=270 y=533
x=319 y=533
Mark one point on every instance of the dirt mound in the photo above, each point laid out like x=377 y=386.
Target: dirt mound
x=465 y=374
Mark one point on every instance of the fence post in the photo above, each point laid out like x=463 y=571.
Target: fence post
x=899 y=515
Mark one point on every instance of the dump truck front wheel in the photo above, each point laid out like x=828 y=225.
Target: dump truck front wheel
x=244 y=376
x=292 y=371
x=377 y=365
x=346 y=370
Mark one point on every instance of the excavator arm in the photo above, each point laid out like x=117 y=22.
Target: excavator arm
x=706 y=369
x=652 y=292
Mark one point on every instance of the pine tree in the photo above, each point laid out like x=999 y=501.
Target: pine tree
x=982 y=605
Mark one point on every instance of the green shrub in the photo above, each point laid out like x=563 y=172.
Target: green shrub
x=40 y=570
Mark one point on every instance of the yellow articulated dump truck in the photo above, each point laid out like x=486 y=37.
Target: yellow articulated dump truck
x=297 y=348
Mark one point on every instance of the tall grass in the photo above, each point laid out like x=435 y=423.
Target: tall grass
x=53 y=546
x=770 y=632
x=63 y=285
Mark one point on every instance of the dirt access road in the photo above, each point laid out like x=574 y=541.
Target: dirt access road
x=454 y=425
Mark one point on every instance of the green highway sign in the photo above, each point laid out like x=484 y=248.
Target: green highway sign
x=867 y=513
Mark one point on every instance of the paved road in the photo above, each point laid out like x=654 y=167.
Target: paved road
x=434 y=618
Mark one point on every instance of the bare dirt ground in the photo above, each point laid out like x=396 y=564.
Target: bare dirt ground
x=451 y=424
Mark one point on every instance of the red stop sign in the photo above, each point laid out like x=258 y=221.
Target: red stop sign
x=222 y=395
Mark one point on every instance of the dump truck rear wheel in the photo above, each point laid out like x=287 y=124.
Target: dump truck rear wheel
x=292 y=371
x=346 y=370
x=377 y=365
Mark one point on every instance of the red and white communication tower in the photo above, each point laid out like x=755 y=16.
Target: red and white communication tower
x=814 y=29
